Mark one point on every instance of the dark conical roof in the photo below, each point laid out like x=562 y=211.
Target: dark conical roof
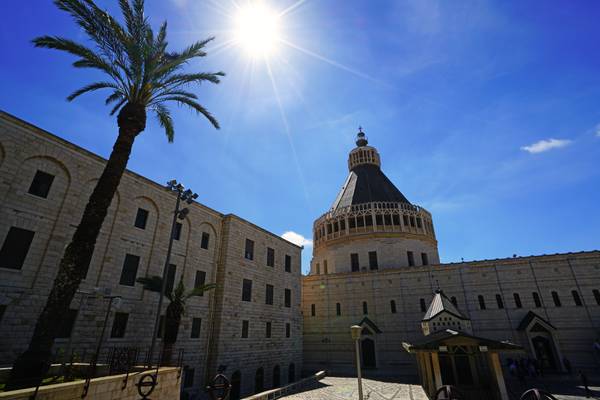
x=367 y=183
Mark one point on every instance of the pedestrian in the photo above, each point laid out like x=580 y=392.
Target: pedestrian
x=584 y=381
x=567 y=364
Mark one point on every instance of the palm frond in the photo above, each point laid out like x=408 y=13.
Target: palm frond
x=164 y=119
x=152 y=283
x=194 y=106
x=118 y=106
x=90 y=88
x=116 y=95
x=198 y=291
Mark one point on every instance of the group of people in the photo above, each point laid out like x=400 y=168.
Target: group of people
x=524 y=367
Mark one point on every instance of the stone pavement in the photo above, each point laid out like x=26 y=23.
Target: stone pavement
x=337 y=388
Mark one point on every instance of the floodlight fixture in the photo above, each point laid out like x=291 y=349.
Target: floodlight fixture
x=183 y=213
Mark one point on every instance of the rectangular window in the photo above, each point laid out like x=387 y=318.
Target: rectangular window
x=129 y=272
x=365 y=308
x=325 y=271
x=405 y=219
x=249 y=251
x=2 y=311
x=245 y=329
x=205 y=240
x=517 y=300
x=188 y=377
x=200 y=280
x=288 y=263
x=287 y=329
x=270 y=257
x=424 y=259
x=556 y=299
x=373 y=264
x=481 y=302
x=119 y=325
x=268 y=330
x=354 y=264
x=177 y=231
x=411 y=258
x=15 y=248
x=141 y=218
x=269 y=295
x=412 y=221
x=423 y=305
x=171 y=278
x=196 y=326
x=338 y=309
x=312 y=310
x=393 y=306
x=419 y=224
x=576 y=298
x=288 y=298
x=40 y=186
x=499 y=301
x=247 y=290
x=66 y=328
x=318 y=269
x=536 y=299
x=161 y=326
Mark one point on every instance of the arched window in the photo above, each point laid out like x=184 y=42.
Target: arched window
x=291 y=373
x=556 y=299
x=276 y=377
x=312 y=310
x=338 y=309
x=423 y=305
x=597 y=296
x=499 y=301
x=481 y=302
x=517 y=298
x=453 y=301
x=393 y=306
x=365 y=308
x=536 y=299
x=576 y=298
x=259 y=379
x=318 y=269
x=236 y=384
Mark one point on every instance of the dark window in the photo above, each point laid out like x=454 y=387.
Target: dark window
x=576 y=298
x=129 y=272
x=288 y=263
x=365 y=308
x=276 y=377
x=318 y=269
x=393 y=306
x=369 y=220
x=378 y=219
x=245 y=329
x=360 y=222
x=373 y=260
x=288 y=298
x=597 y=296
x=518 y=303
x=411 y=258
x=40 y=186
x=395 y=220
x=119 y=325
x=352 y=223
x=536 y=299
x=499 y=301
x=405 y=218
x=269 y=295
x=161 y=326
x=453 y=301
x=291 y=373
x=287 y=329
x=170 y=278
x=196 y=326
x=200 y=280
x=247 y=290
x=354 y=262
x=2 y=311
x=188 y=377
x=177 y=231
x=419 y=225
x=338 y=309
x=259 y=379
x=141 y=218
x=481 y=302
x=312 y=310
x=325 y=265
x=412 y=221
x=556 y=299
x=424 y=259
x=66 y=327
x=15 y=248
x=249 y=250
x=270 y=257
x=268 y=330
x=205 y=240
x=423 y=305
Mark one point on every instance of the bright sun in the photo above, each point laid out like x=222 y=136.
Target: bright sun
x=257 y=29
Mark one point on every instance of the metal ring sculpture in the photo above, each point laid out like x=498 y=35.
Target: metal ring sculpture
x=219 y=387
x=146 y=385
x=448 y=392
x=536 y=394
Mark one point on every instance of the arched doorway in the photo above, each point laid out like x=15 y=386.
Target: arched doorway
x=236 y=383
x=543 y=352
x=291 y=373
x=368 y=353
x=276 y=377
x=259 y=379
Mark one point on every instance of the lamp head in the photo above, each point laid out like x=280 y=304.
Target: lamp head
x=355 y=330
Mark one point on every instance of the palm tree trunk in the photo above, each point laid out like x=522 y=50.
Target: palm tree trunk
x=172 y=321
x=31 y=365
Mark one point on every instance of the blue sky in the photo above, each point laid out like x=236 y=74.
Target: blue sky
x=485 y=113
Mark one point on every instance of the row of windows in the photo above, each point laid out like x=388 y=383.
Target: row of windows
x=367 y=220
x=249 y=255
x=259 y=378
x=269 y=290
x=268 y=325
x=499 y=302
x=373 y=262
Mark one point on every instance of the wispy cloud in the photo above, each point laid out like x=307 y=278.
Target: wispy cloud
x=297 y=239
x=545 y=145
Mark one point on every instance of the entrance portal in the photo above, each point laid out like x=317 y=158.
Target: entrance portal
x=543 y=352
x=368 y=353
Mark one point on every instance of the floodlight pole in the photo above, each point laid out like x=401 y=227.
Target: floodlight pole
x=356 y=331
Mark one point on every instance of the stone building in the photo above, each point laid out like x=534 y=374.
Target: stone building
x=375 y=263
x=250 y=324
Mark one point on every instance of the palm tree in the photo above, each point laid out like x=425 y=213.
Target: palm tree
x=141 y=76
x=177 y=298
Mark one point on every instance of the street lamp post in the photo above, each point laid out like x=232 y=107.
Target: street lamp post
x=188 y=196
x=356 y=330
